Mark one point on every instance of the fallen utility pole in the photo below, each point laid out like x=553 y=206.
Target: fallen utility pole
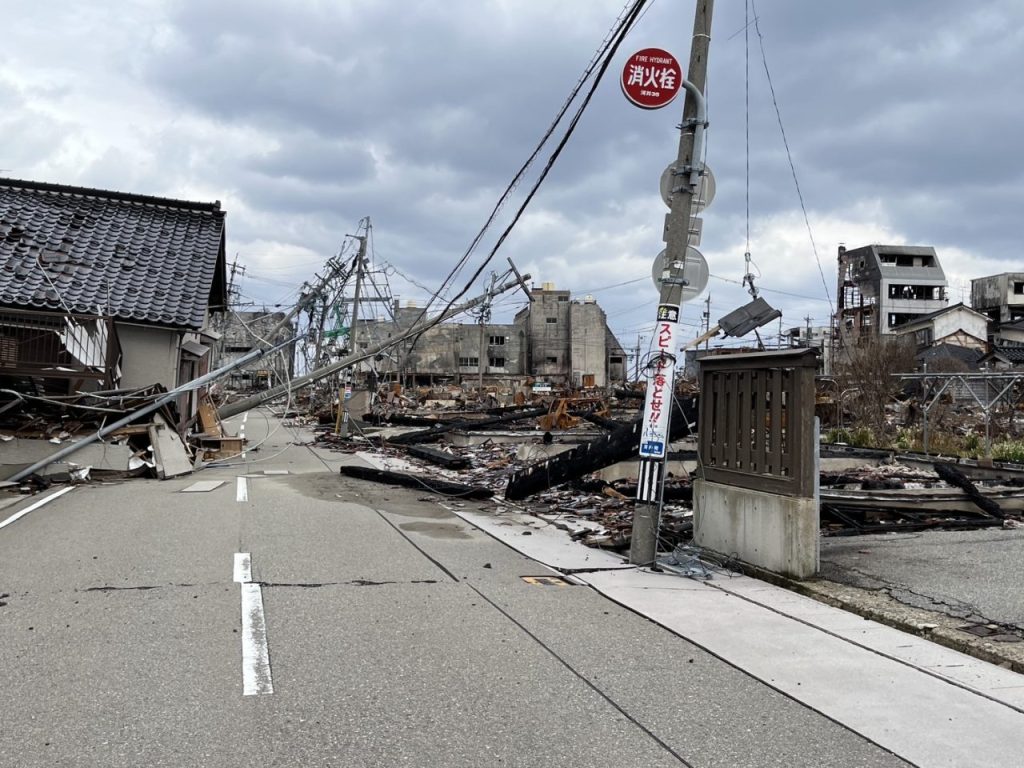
x=407 y=480
x=657 y=417
x=155 y=405
x=240 y=406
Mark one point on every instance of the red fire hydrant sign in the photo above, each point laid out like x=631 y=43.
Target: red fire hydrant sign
x=651 y=78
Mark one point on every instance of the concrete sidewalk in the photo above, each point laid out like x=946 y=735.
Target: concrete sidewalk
x=931 y=705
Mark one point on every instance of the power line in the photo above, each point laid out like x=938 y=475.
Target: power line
x=789 y=155
x=606 y=51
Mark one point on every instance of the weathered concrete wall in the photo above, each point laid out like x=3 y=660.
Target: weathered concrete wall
x=587 y=352
x=1001 y=297
x=778 y=533
x=149 y=355
x=549 y=333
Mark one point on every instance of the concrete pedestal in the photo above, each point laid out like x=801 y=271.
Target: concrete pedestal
x=778 y=533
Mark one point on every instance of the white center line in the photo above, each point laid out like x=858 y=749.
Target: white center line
x=245 y=417
x=37 y=505
x=241 y=489
x=256 y=677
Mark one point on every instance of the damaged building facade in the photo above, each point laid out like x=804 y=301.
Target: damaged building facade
x=556 y=339
x=239 y=334
x=882 y=287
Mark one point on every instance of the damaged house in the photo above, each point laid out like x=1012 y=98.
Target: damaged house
x=105 y=290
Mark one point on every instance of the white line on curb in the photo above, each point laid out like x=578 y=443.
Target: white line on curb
x=256 y=677
x=37 y=505
x=241 y=489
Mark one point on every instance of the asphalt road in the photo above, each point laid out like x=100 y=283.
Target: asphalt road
x=972 y=575
x=397 y=635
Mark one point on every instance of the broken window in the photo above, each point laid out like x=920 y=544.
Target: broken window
x=497 y=341
x=1018 y=288
x=496 y=362
x=563 y=298
x=551 y=360
x=551 y=320
x=615 y=360
x=469 y=362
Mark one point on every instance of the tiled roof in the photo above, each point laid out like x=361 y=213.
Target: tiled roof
x=967 y=355
x=146 y=259
x=1014 y=354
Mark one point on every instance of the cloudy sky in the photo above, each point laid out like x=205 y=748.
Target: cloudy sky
x=904 y=120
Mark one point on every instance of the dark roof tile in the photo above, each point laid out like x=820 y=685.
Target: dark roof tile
x=151 y=259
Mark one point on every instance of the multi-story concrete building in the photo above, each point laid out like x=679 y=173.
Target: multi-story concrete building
x=555 y=338
x=569 y=342
x=882 y=287
x=1001 y=297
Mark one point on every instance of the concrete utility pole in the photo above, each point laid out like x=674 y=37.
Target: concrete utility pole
x=646 y=517
x=636 y=358
x=233 y=409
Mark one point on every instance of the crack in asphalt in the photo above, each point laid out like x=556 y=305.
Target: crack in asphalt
x=353 y=583
x=138 y=588
x=901 y=593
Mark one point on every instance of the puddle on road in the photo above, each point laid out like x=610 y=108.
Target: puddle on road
x=318 y=485
x=437 y=530
x=328 y=486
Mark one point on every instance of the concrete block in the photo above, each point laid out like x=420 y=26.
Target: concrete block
x=778 y=533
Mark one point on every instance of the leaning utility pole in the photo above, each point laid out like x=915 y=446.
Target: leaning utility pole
x=240 y=406
x=485 y=318
x=352 y=327
x=661 y=385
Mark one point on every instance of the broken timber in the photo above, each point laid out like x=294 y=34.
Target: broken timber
x=620 y=445
x=414 y=481
x=429 y=435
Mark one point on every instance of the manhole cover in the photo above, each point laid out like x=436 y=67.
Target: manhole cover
x=546 y=581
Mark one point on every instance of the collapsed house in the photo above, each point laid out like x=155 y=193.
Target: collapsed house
x=104 y=290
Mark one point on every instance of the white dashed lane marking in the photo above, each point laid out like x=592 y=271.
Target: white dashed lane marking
x=256 y=676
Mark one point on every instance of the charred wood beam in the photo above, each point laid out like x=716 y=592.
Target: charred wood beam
x=434 y=456
x=603 y=422
x=629 y=394
x=620 y=445
x=407 y=480
x=429 y=435
x=958 y=479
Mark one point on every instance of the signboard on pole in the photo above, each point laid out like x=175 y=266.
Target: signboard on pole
x=651 y=78
x=660 y=385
